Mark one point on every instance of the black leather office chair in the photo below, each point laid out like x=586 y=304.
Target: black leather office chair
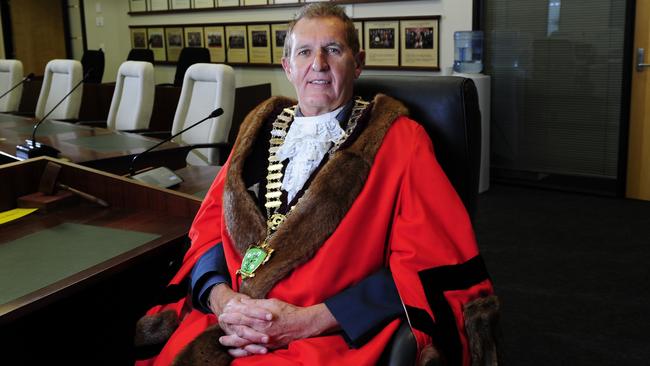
x=92 y=62
x=447 y=107
x=188 y=57
x=140 y=54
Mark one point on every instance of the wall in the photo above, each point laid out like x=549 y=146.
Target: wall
x=114 y=35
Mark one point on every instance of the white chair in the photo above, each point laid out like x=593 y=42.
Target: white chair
x=206 y=87
x=133 y=97
x=11 y=73
x=59 y=78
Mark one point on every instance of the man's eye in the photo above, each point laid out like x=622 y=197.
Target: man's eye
x=303 y=52
x=333 y=50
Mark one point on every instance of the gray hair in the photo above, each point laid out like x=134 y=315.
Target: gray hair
x=324 y=10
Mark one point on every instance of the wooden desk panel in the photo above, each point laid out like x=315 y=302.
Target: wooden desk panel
x=89 y=317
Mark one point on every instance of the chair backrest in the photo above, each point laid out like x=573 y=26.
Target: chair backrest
x=59 y=79
x=140 y=54
x=92 y=63
x=11 y=73
x=133 y=97
x=206 y=87
x=448 y=108
x=188 y=57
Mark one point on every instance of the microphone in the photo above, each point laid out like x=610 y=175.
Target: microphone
x=32 y=149
x=171 y=178
x=26 y=79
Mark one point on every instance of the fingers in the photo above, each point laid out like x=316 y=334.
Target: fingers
x=249 y=308
x=236 y=334
x=252 y=349
x=241 y=319
x=238 y=352
x=256 y=349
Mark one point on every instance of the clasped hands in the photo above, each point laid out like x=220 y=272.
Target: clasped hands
x=255 y=326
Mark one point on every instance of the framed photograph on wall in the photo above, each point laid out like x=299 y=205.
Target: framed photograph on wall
x=420 y=43
x=215 y=43
x=137 y=5
x=138 y=38
x=358 y=26
x=259 y=44
x=221 y=3
x=283 y=1
x=236 y=44
x=180 y=4
x=158 y=5
x=200 y=4
x=278 y=36
x=174 y=43
x=255 y=2
x=194 y=36
x=381 y=42
x=157 y=43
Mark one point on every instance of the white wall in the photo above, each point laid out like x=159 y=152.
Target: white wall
x=2 y=44
x=114 y=36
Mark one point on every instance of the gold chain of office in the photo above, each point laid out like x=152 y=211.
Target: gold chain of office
x=257 y=255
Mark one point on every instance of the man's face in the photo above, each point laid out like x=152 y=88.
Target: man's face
x=321 y=65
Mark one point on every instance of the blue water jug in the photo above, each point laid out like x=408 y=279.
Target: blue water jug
x=468 y=52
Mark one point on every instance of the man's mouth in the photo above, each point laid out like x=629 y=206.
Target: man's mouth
x=320 y=82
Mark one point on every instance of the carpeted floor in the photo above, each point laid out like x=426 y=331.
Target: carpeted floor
x=573 y=275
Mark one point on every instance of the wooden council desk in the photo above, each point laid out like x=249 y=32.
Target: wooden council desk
x=99 y=148
x=74 y=280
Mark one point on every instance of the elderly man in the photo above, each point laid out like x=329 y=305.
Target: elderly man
x=330 y=221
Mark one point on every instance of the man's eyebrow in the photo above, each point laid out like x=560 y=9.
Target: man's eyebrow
x=329 y=44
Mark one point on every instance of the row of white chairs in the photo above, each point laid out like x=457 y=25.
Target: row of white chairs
x=205 y=88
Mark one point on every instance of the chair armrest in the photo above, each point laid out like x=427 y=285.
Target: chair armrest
x=402 y=348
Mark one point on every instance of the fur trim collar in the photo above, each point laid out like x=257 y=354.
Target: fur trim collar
x=322 y=207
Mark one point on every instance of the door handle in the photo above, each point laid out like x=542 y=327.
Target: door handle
x=640 y=56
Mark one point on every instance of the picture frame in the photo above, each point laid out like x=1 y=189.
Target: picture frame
x=283 y=1
x=203 y=4
x=156 y=42
x=358 y=26
x=259 y=44
x=138 y=38
x=278 y=37
x=174 y=43
x=381 y=42
x=137 y=5
x=227 y=3
x=156 y=5
x=420 y=43
x=215 y=43
x=194 y=36
x=236 y=43
x=255 y=2
x=180 y=4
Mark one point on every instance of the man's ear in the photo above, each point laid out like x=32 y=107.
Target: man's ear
x=286 y=65
x=360 y=62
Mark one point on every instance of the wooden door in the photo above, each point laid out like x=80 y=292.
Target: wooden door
x=38 y=33
x=638 y=167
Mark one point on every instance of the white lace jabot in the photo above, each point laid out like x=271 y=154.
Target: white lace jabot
x=307 y=141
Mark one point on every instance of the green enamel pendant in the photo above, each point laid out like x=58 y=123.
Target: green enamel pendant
x=255 y=256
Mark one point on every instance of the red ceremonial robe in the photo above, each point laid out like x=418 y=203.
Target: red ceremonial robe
x=382 y=200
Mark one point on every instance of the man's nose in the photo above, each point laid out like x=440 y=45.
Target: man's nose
x=320 y=61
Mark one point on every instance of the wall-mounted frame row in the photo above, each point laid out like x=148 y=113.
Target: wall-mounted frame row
x=404 y=43
x=142 y=7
